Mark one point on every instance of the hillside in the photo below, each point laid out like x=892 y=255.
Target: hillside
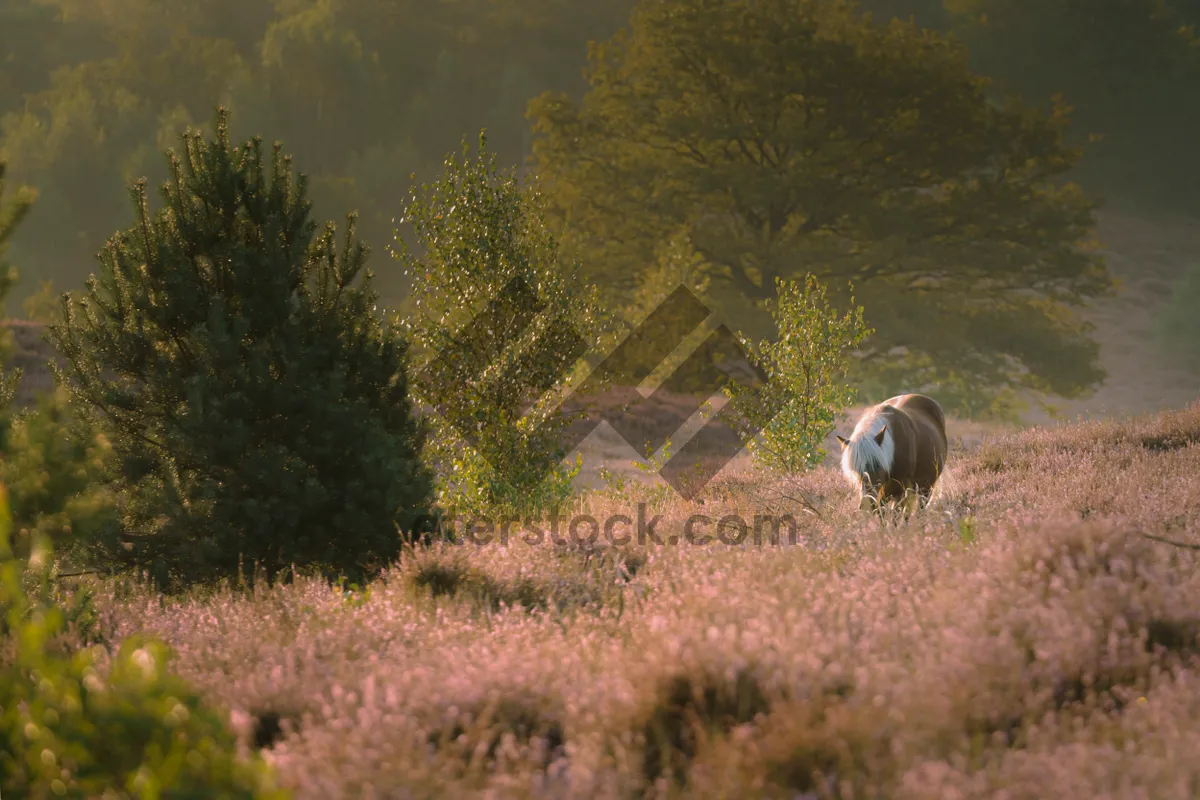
x=1024 y=637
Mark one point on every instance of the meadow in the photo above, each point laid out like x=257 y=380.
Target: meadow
x=1033 y=633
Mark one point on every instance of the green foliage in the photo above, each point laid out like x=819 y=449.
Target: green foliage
x=55 y=466
x=12 y=212
x=814 y=136
x=478 y=230
x=134 y=731
x=368 y=92
x=805 y=367
x=257 y=406
x=967 y=530
x=364 y=92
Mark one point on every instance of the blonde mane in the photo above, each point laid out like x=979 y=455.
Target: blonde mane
x=864 y=454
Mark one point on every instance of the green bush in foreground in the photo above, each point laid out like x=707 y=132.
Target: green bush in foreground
x=136 y=732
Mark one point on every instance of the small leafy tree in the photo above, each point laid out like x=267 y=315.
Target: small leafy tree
x=805 y=366
x=493 y=385
x=258 y=407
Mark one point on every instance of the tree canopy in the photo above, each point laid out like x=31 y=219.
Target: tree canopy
x=369 y=92
x=366 y=92
x=93 y=90
x=792 y=136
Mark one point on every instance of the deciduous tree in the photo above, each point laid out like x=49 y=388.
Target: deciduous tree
x=793 y=136
x=493 y=377
x=805 y=368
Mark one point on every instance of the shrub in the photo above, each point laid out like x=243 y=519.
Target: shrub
x=258 y=407
x=797 y=407
x=483 y=237
x=52 y=461
x=56 y=465
x=137 y=731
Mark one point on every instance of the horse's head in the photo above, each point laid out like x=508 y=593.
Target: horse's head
x=866 y=463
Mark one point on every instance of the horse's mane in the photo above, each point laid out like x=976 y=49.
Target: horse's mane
x=864 y=454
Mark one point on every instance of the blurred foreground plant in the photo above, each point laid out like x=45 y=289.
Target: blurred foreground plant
x=56 y=465
x=136 y=731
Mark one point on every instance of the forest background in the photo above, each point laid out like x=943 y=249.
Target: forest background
x=370 y=95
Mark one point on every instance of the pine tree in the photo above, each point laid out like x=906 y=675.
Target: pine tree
x=257 y=405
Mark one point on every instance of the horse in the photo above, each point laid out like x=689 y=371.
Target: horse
x=897 y=452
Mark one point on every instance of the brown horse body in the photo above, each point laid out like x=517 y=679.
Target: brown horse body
x=897 y=451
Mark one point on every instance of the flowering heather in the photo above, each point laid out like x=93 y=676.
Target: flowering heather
x=1024 y=637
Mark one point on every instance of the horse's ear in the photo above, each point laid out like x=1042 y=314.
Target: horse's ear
x=843 y=441
x=879 y=436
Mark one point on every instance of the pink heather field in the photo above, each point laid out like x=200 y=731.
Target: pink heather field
x=1032 y=634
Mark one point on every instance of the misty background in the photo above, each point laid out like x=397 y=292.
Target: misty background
x=366 y=93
